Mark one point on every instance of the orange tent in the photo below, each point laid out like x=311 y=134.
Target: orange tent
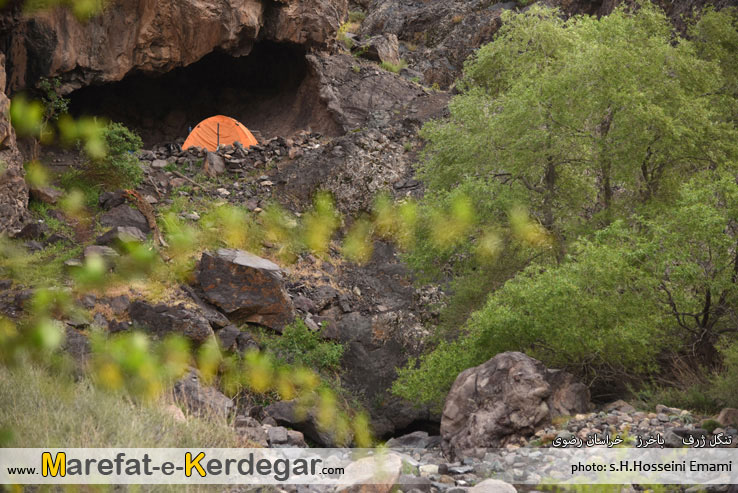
x=219 y=130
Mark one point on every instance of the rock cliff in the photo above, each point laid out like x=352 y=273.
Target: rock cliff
x=154 y=36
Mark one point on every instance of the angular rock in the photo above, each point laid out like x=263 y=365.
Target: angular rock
x=214 y=165
x=105 y=252
x=380 y=48
x=493 y=486
x=416 y=439
x=728 y=417
x=125 y=216
x=372 y=474
x=159 y=163
x=283 y=412
x=162 y=320
x=32 y=231
x=281 y=437
x=201 y=399
x=108 y=200
x=47 y=195
x=247 y=287
x=121 y=235
x=509 y=396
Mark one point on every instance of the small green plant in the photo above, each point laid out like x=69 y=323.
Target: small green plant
x=394 y=67
x=356 y=16
x=343 y=34
x=301 y=346
x=408 y=146
x=709 y=425
x=356 y=69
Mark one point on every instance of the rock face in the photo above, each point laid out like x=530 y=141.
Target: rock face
x=245 y=286
x=436 y=35
x=508 y=396
x=13 y=190
x=155 y=36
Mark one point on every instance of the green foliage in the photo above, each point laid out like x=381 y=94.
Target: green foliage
x=54 y=104
x=393 y=67
x=611 y=190
x=120 y=167
x=709 y=425
x=300 y=346
x=356 y=16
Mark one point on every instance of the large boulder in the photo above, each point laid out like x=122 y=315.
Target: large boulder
x=247 y=287
x=13 y=189
x=508 y=397
x=162 y=319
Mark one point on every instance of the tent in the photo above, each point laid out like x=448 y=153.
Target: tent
x=219 y=130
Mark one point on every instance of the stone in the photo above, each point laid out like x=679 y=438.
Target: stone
x=380 y=48
x=619 y=405
x=159 y=163
x=281 y=437
x=121 y=235
x=175 y=412
x=214 y=165
x=416 y=439
x=109 y=200
x=409 y=482
x=125 y=216
x=728 y=417
x=283 y=413
x=32 y=231
x=372 y=474
x=163 y=319
x=201 y=399
x=76 y=344
x=47 y=195
x=492 y=486
x=107 y=253
x=506 y=398
x=247 y=287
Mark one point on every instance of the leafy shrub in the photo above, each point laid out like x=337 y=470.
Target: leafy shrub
x=120 y=167
x=301 y=346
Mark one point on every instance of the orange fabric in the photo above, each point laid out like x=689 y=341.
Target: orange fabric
x=205 y=134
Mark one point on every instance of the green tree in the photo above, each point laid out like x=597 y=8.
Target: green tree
x=617 y=137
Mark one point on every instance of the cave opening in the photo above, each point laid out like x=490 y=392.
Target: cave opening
x=272 y=91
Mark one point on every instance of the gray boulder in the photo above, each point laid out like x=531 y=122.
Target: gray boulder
x=510 y=396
